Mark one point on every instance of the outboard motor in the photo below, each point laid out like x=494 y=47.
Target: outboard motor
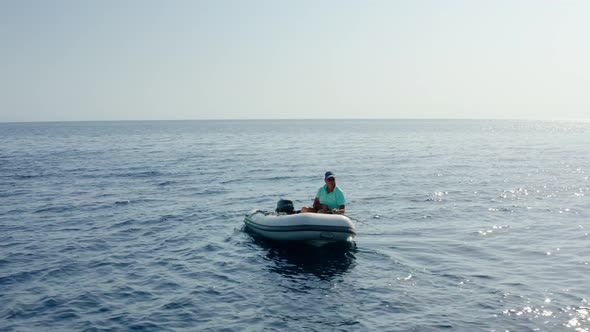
x=286 y=206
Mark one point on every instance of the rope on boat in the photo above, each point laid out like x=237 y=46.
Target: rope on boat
x=363 y=222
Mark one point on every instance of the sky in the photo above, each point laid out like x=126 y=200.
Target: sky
x=71 y=60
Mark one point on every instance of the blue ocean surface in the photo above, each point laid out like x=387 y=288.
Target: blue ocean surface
x=463 y=225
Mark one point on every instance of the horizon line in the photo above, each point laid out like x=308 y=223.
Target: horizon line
x=305 y=119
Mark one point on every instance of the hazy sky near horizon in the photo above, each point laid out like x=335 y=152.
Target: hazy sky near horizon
x=164 y=60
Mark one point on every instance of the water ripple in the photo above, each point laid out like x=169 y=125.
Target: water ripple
x=464 y=225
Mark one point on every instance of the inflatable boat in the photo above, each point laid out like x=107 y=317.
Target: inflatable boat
x=313 y=228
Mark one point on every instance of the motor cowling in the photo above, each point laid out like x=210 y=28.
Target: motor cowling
x=285 y=205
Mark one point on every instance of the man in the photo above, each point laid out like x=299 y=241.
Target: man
x=329 y=199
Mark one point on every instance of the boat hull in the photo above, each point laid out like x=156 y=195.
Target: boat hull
x=313 y=228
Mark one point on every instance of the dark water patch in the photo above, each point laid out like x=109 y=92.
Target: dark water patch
x=55 y=209
x=39 y=308
x=145 y=326
x=65 y=269
x=210 y=247
x=168 y=286
x=50 y=302
x=231 y=181
x=20 y=277
x=19 y=314
x=293 y=259
x=117 y=262
x=179 y=304
x=454 y=279
x=209 y=192
x=138 y=175
x=16 y=211
x=14 y=193
x=4 y=262
x=66 y=315
x=123 y=224
x=166 y=218
x=30 y=176
x=174 y=241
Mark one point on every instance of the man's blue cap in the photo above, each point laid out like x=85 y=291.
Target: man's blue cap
x=329 y=175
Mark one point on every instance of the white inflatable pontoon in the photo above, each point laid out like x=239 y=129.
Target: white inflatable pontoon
x=314 y=228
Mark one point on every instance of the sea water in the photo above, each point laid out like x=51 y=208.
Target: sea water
x=462 y=225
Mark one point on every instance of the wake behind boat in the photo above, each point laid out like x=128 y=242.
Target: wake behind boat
x=313 y=228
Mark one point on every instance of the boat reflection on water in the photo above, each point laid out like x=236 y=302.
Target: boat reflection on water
x=296 y=258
